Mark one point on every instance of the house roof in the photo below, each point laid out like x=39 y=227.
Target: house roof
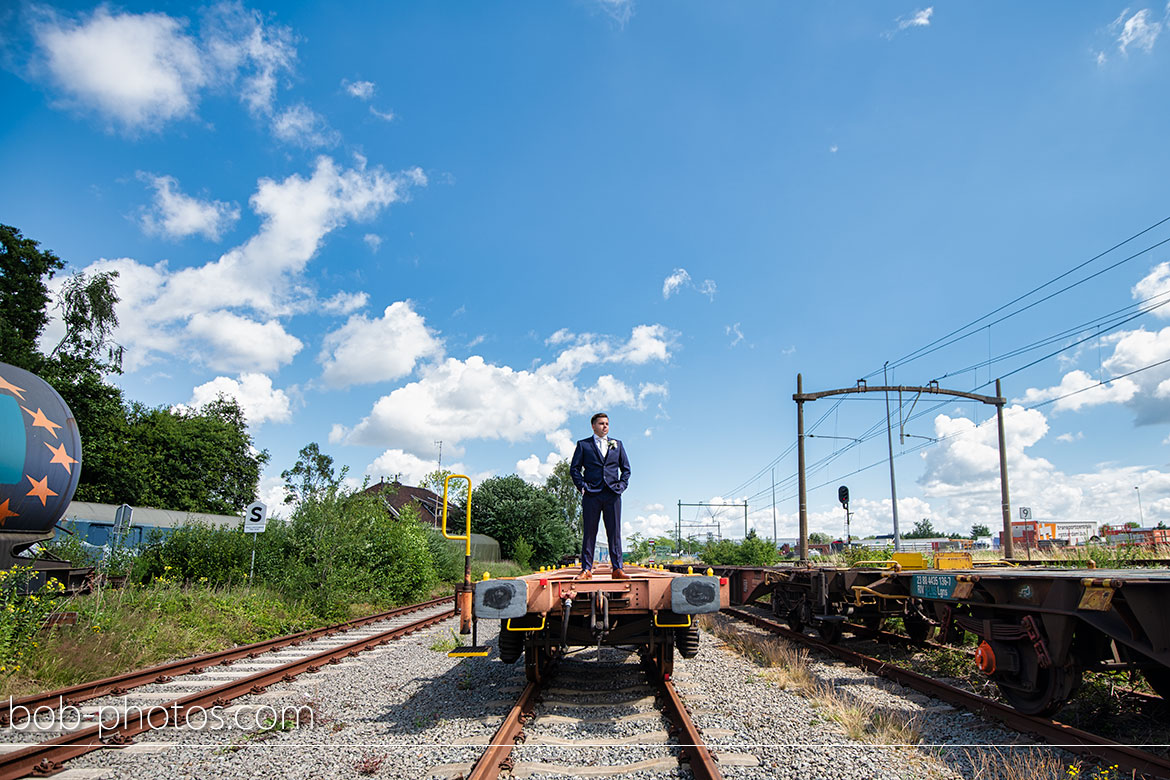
x=396 y=495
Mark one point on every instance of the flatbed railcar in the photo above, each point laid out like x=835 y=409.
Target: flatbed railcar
x=1039 y=628
x=550 y=613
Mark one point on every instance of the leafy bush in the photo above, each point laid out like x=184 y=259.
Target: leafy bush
x=21 y=616
x=522 y=552
x=752 y=551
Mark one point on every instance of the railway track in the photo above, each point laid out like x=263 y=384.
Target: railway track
x=164 y=673
x=582 y=711
x=1128 y=758
x=49 y=756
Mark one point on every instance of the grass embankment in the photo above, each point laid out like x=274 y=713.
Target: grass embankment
x=140 y=626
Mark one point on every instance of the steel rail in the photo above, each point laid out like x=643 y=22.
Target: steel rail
x=499 y=752
x=1056 y=733
x=702 y=761
x=121 y=683
x=48 y=757
x=497 y=757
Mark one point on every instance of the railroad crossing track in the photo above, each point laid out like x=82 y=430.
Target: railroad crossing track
x=282 y=661
x=1128 y=758
x=590 y=719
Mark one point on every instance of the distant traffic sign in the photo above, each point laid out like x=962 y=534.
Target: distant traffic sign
x=255 y=517
x=1025 y=513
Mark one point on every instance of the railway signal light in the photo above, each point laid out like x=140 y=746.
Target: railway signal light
x=843 y=496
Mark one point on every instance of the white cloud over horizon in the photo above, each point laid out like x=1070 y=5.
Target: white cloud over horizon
x=163 y=309
x=176 y=215
x=365 y=351
x=260 y=401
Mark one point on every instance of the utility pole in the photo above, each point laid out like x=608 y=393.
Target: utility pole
x=890 y=441
x=440 y=469
x=775 y=537
x=802 y=493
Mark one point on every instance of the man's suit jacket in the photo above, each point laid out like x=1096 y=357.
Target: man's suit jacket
x=612 y=470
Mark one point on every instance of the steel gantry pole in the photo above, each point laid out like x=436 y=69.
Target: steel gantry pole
x=1003 y=478
x=893 y=486
x=802 y=490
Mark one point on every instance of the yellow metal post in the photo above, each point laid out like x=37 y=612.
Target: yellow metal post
x=464 y=594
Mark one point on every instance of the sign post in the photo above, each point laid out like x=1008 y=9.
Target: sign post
x=255 y=521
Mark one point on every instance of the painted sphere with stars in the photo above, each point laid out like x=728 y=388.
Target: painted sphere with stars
x=40 y=453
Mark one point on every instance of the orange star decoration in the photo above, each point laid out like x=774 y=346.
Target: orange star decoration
x=40 y=421
x=60 y=456
x=5 y=512
x=16 y=391
x=40 y=489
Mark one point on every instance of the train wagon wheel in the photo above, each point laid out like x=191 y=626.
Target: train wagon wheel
x=535 y=659
x=1054 y=686
x=830 y=631
x=663 y=656
x=510 y=645
x=688 y=641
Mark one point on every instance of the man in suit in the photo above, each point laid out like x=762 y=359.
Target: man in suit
x=601 y=471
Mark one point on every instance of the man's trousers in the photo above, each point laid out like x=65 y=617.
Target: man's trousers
x=606 y=504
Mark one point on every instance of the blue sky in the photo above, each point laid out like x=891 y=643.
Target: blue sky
x=477 y=224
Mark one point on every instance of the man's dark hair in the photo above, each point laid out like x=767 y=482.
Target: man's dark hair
x=597 y=417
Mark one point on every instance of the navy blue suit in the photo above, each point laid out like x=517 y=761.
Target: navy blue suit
x=603 y=480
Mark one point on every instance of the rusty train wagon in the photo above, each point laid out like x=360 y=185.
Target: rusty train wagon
x=548 y=613
x=1038 y=628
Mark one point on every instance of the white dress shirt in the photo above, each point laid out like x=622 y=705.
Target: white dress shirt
x=602 y=445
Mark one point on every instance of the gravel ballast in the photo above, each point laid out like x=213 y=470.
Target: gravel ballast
x=406 y=710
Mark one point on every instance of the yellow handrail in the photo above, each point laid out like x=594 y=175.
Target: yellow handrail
x=467 y=533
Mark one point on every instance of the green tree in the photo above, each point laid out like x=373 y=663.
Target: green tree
x=24 y=297
x=196 y=461
x=979 y=530
x=88 y=311
x=509 y=509
x=456 y=488
x=754 y=551
x=816 y=537
x=560 y=487
x=923 y=529
x=311 y=476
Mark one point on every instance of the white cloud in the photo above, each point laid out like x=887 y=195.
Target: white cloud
x=654 y=508
x=734 y=329
x=302 y=126
x=1154 y=287
x=362 y=90
x=410 y=469
x=260 y=274
x=176 y=215
x=456 y=400
x=650 y=526
x=138 y=69
x=920 y=18
x=1068 y=438
x=387 y=116
x=1086 y=393
x=260 y=401
x=144 y=70
x=346 y=302
x=271 y=492
x=962 y=478
x=677 y=278
x=618 y=10
x=373 y=241
x=365 y=351
x=241 y=344
x=1138 y=31
x=646 y=343
x=648 y=433
x=833 y=149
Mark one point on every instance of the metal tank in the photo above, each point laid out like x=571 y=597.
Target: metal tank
x=40 y=463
